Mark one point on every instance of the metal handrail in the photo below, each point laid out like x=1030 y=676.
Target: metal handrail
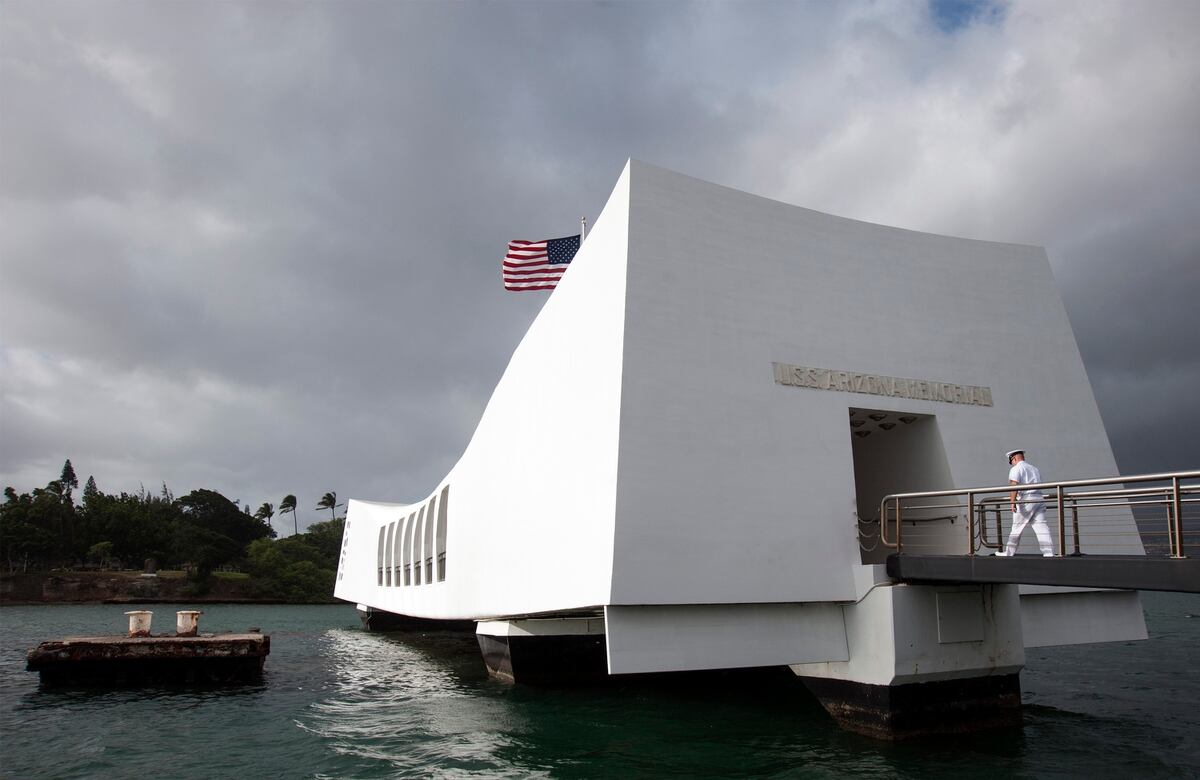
x=1088 y=500
x=1171 y=497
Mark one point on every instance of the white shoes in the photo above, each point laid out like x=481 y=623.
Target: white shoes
x=1001 y=554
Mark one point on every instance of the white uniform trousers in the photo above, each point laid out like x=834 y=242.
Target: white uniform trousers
x=1037 y=516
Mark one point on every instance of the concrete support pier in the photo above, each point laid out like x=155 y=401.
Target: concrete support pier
x=558 y=651
x=896 y=712
x=153 y=660
x=925 y=660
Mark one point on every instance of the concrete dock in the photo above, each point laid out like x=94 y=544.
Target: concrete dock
x=120 y=661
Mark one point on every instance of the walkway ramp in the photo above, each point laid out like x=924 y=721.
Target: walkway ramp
x=1132 y=572
x=1124 y=532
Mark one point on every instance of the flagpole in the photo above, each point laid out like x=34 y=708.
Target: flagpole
x=582 y=229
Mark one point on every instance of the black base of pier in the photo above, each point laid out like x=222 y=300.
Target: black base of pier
x=570 y=659
x=376 y=620
x=897 y=712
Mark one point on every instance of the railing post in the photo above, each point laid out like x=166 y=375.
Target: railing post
x=899 y=527
x=1075 y=522
x=1062 y=526
x=1176 y=506
x=1170 y=526
x=970 y=523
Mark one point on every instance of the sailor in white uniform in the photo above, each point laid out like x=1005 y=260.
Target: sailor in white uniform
x=1030 y=508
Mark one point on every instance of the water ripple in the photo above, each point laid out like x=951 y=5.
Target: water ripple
x=337 y=702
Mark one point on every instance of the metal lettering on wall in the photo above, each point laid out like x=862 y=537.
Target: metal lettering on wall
x=873 y=384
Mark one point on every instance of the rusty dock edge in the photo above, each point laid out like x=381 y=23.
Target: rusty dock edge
x=207 y=659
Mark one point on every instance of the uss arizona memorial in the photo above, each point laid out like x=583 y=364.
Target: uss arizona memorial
x=737 y=383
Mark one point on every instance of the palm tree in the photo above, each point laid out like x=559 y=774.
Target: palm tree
x=266 y=512
x=329 y=501
x=288 y=504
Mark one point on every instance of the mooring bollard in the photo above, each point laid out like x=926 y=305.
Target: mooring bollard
x=187 y=622
x=139 y=622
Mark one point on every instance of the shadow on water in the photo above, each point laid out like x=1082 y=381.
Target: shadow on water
x=1050 y=743
x=423 y=705
x=182 y=695
x=730 y=724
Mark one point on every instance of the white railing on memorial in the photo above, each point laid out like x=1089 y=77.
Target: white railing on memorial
x=1089 y=516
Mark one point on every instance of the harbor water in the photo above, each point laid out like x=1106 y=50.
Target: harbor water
x=337 y=702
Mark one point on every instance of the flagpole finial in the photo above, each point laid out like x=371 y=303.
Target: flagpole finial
x=582 y=229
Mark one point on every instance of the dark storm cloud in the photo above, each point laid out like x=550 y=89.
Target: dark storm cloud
x=254 y=246
x=1132 y=296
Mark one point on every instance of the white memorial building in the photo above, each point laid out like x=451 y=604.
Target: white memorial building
x=672 y=470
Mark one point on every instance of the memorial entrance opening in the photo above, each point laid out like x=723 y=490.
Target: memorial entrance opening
x=895 y=452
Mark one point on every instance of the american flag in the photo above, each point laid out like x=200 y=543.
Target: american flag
x=538 y=265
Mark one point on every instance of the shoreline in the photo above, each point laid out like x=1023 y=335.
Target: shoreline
x=133 y=587
x=209 y=601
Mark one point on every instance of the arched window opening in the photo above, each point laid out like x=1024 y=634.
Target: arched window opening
x=398 y=553
x=428 y=552
x=382 y=531
x=441 y=534
x=416 y=546
x=388 y=549
x=408 y=532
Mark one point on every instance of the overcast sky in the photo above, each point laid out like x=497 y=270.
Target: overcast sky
x=255 y=247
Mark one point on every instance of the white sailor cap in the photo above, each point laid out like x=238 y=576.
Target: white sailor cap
x=1008 y=455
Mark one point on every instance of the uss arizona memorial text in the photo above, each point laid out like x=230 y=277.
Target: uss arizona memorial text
x=873 y=384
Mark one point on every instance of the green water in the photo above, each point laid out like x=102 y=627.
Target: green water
x=337 y=702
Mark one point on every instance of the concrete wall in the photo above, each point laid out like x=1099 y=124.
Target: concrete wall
x=639 y=451
x=722 y=636
x=1056 y=618
x=531 y=503
x=900 y=634
x=736 y=489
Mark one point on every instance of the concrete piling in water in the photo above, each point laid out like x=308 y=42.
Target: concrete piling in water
x=139 y=622
x=187 y=622
x=188 y=657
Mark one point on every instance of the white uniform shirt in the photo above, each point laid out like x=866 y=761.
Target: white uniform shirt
x=1025 y=473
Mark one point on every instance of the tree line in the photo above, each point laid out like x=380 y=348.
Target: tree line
x=199 y=532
